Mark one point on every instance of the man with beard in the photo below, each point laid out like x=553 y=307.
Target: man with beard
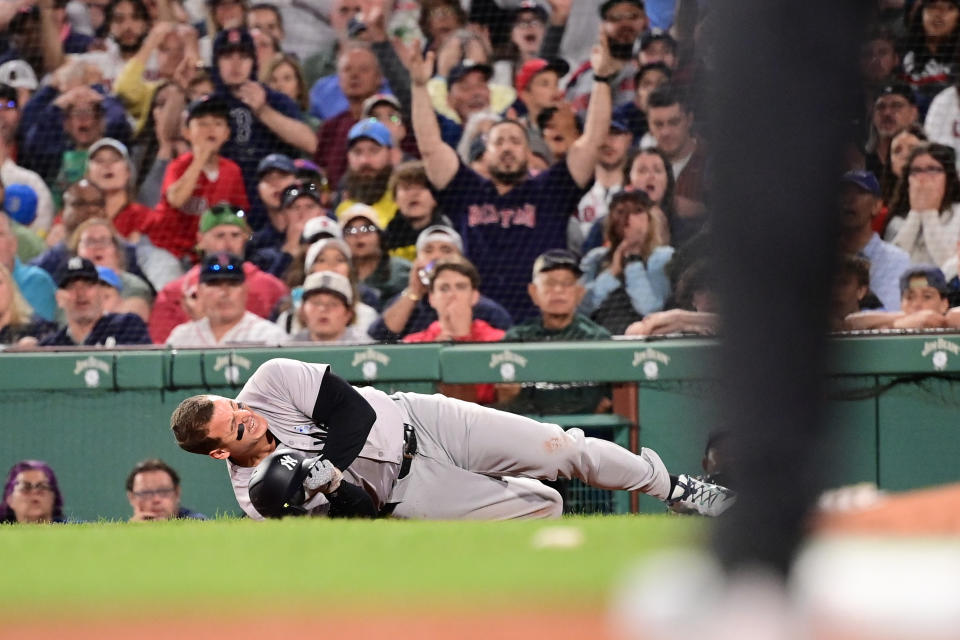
x=359 y=77
x=623 y=22
x=368 y=171
x=608 y=180
x=509 y=220
x=262 y=121
x=128 y=22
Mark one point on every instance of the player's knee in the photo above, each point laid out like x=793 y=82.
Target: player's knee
x=552 y=503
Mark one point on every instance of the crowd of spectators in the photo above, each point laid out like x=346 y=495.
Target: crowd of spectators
x=226 y=172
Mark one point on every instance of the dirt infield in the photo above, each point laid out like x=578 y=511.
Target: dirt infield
x=375 y=624
x=933 y=511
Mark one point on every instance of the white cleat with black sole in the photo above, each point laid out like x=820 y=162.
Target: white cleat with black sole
x=693 y=495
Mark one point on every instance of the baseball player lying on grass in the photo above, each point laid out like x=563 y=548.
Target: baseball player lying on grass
x=299 y=439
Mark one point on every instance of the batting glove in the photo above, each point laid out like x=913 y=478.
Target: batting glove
x=323 y=477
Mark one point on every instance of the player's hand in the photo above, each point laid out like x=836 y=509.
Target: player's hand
x=323 y=477
x=253 y=95
x=419 y=66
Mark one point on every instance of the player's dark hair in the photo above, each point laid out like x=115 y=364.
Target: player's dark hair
x=152 y=464
x=189 y=425
x=459 y=264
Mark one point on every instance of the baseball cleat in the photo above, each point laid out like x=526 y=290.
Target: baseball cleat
x=696 y=496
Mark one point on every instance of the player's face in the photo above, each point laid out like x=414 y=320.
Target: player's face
x=223 y=301
x=326 y=316
x=108 y=170
x=556 y=292
x=331 y=259
x=224 y=237
x=670 y=126
x=235 y=426
x=649 y=174
x=414 y=200
x=32 y=498
x=154 y=497
x=919 y=296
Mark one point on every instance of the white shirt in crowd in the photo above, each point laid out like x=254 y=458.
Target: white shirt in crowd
x=251 y=328
x=943 y=120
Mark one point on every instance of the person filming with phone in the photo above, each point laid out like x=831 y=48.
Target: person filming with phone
x=410 y=311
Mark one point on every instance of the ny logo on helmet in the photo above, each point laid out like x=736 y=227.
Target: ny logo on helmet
x=289 y=462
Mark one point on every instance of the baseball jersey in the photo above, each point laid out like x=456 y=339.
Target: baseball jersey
x=176 y=229
x=520 y=224
x=285 y=392
x=251 y=328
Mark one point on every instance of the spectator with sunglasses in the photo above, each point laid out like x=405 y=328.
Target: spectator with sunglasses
x=222 y=303
x=375 y=267
x=301 y=203
x=222 y=229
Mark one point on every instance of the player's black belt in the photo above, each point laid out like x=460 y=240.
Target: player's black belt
x=409 y=450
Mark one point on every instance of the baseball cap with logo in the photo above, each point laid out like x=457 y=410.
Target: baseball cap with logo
x=223 y=214
x=866 y=180
x=230 y=40
x=376 y=100
x=900 y=89
x=924 y=275
x=109 y=276
x=18 y=74
x=468 y=66
x=317 y=248
x=531 y=6
x=606 y=6
x=318 y=228
x=531 y=68
x=439 y=232
x=370 y=129
x=359 y=210
x=222 y=266
x=557 y=259
x=76 y=268
x=275 y=162
x=330 y=282
x=20 y=203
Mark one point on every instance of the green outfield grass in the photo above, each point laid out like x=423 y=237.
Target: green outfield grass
x=239 y=563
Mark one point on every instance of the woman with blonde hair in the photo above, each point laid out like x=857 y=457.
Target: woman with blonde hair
x=18 y=323
x=626 y=280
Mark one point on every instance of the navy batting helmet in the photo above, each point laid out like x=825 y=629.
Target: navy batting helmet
x=276 y=486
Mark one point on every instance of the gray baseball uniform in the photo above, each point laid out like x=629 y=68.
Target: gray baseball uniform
x=471 y=461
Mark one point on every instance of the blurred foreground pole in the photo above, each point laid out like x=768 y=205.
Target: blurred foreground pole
x=780 y=101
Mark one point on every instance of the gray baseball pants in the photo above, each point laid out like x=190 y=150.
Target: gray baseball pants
x=473 y=462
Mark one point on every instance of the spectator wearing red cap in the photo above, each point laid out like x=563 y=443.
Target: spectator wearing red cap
x=538 y=87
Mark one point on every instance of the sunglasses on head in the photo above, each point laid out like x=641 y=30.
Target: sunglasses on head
x=363 y=228
x=226 y=209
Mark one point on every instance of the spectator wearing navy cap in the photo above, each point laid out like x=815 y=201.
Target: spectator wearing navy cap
x=894 y=110
x=222 y=299
x=860 y=202
x=80 y=297
x=275 y=173
x=302 y=202
x=262 y=121
x=369 y=165
x=197 y=180
x=468 y=92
